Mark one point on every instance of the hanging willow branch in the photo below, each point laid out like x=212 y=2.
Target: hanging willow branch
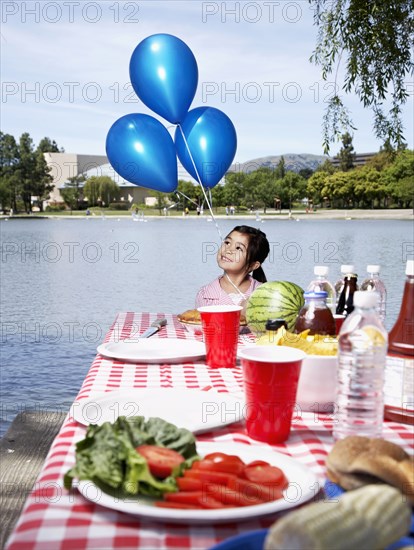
x=374 y=38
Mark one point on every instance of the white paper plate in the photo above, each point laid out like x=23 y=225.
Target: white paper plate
x=301 y=488
x=196 y=410
x=154 y=350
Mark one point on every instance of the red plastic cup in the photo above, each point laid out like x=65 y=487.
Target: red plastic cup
x=270 y=377
x=220 y=325
x=339 y=319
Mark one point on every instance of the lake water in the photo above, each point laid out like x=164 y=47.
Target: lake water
x=64 y=280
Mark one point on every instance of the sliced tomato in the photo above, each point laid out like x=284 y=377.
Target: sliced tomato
x=229 y=496
x=180 y=505
x=184 y=497
x=264 y=493
x=189 y=484
x=266 y=475
x=211 y=503
x=257 y=463
x=197 y=502
x=220 y=478
x=161 y=461
x=223 y=457
x=230 y=464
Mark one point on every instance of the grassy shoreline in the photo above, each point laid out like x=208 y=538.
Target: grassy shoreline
x=322 y=214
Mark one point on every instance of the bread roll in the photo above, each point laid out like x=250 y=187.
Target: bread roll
x=192 y=316
x=356 y=461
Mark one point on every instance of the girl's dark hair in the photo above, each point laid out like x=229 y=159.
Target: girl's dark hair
x=257 y=251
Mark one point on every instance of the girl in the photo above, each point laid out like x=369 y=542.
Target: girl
x=242 y=252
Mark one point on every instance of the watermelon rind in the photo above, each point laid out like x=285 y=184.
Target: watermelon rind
x=274 y=300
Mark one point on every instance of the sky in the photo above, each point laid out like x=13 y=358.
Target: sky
x=65 y=71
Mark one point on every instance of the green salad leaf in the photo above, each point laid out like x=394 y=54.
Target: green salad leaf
x=107 y=455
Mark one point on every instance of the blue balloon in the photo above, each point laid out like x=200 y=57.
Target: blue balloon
x=212 y=141
x=164 y=75
x=141 y=150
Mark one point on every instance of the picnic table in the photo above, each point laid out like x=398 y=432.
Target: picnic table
x=56 y=519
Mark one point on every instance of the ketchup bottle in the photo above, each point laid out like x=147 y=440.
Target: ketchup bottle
x=399 y=367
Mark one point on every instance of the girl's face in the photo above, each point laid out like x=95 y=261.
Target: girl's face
x=232 y=254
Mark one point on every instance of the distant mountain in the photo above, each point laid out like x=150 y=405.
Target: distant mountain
x=294 y=162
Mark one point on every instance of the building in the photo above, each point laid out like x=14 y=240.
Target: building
x=67 y=165
x=359 y=159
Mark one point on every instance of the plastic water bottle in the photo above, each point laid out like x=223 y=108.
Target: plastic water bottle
x=321 y=284
x=339 y=285
x=374 y=284
x=362 y=354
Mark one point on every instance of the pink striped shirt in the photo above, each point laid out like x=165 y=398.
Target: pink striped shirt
x=213 y=295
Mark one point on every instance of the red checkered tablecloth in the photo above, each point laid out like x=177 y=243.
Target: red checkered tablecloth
x=56 y=519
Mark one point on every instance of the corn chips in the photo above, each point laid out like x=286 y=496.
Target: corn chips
x=317 y=344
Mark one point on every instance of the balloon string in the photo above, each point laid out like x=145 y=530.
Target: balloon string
x=201 y=185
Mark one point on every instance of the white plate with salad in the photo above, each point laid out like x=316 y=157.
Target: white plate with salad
x=109 y=455
x=196 y=410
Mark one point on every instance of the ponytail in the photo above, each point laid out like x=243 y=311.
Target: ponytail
x=259 y=275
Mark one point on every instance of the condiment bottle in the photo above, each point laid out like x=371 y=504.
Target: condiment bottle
x=339 y=285
x=399 y=370
x=271 y=335
x=315 y=315
x=373 y=283
x=321 y=283
x=362 y=349
x=346 y=299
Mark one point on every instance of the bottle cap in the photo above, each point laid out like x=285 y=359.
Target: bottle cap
x=315 y=294
x=363 y=298
x=409 y=268
x=373 y=268
x=347 y=268
x=275 y=324
x=321 y=270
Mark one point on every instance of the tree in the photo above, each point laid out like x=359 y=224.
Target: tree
x=381 y=160
x=9 y=175
x=280 y=171
x=399 y=178
x=339 y=188
x=161 y=200
x=296 y=186
x=346 y=153
x=24 y=172
x=368 y=186
x=259 y=189
x=100 y=190
x=374 y=37
x=108 y=190
x=265 y=193
x=326 y=167
x=41 y=187
x=315 y=186
x=187 y=194
x=27 y=170
x=305 y=173
x=232 y=193
x=72 y=191
x=46 y=145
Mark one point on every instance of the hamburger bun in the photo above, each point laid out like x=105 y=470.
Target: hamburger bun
x=193 y=317
x=356 y=461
